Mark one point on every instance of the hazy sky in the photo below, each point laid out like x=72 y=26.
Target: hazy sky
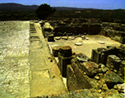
x=101 y=4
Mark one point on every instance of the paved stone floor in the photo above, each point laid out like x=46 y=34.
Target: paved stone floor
x=14 y=63
x=87 y=45
x=25 y=69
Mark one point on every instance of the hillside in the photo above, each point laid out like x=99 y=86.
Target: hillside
x=15 y=6
x=13 y=11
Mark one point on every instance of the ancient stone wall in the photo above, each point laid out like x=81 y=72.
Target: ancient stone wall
x=112 y=57
x=114 y=30
x=96 y=77
x=91 y=29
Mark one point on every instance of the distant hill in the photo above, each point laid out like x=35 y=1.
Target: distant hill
x=71 y=8
x=14 y=11
x=20 y=7
x=17 y=7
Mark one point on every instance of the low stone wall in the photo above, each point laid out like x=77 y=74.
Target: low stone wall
x=115 y=64
x=115 y=31
x=112 y=57
x=94 y=29
x=91 y=29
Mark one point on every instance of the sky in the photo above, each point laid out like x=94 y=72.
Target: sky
x=99 y=4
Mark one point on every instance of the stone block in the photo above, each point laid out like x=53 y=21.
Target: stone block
x=75 y=75
x=45 y=74
x=112 y=78
x=63 y=62
x=122 y=40
x=113 y=62
x=55 y=50
x=121 y=69
x=91 y=68
x=65 y=51
x=100 y=55
x=82 y=58
x=71 y=86
x=96 y=56
x=74 y=65
x=70 y=71
x=51 y=37
x=82 y=81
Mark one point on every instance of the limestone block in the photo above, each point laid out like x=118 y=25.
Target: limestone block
x=112 y=78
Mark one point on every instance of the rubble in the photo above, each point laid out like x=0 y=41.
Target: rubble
x=119 y=87
x=112 y=78
x=102 y=74
x=82 y=58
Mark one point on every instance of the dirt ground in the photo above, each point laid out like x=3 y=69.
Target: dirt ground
x=87 y=45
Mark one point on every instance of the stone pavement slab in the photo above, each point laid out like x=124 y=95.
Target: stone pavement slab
x=45 y=77
x=14 y=63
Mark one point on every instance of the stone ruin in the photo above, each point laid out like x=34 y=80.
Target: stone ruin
x=102 y=76
x=101 y=79
x=81 y=26
x=115 y=31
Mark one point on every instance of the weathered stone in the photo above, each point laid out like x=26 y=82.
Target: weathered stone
x=118 y=95
x=51 y=37
x=87 y=38
x=55 y=50
x=63 y=62
x=96 y=77
x=105 y=87
x=64 y=56
x=78 y=44
x=14 y=69
x=65 y=37
x=122 y=40
x=65 y=51
x=90 y=68
x=73 y=38
x=121 y=69
x=101 y=42
x=57 y=38
x=83 y=37
x=109 y=93
x=112 y=78
x=120 y=87
x=77 y=77
x=113 y=62
x=96 y=56
x=82 y=58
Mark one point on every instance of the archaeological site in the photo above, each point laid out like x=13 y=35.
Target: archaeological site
x=64 y=58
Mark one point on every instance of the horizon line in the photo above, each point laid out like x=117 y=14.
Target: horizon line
x=61 y=6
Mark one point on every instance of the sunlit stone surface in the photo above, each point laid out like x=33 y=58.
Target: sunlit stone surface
x=14 y=63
